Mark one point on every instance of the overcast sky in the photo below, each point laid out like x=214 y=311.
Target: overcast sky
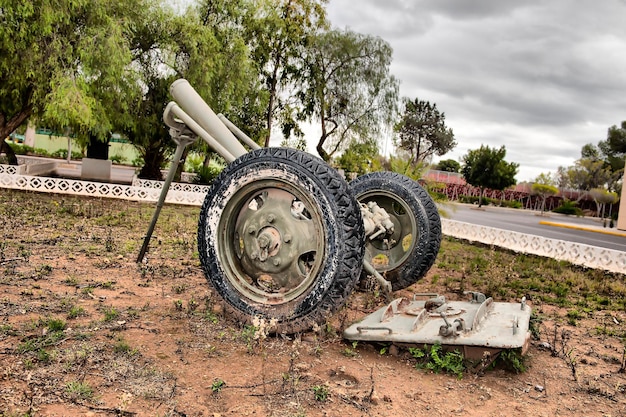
x=541 y=77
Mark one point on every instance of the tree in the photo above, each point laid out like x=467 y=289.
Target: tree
x=562 y=178
x=422 y=131
x=614 y=149
x=64 y=62
x=616 y=139
x=602 y=197
x=295 y=143
x=544 y=187
x=486 y=168
x=360 y=158
x=449 y=165
x=348 y=88
x=198 y=46
x=588 y=173
x=213 y=53
x=277 y=34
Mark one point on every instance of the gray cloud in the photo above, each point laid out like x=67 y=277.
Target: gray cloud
x=541 y=78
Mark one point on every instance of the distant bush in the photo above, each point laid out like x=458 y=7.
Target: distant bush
x=22 y=149
x=118 y=159
x=470 y=199
x=138 y=162
x=507 y=203
x=568 y=207
x=62 y=153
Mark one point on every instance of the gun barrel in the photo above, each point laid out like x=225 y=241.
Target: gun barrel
x=191 y=102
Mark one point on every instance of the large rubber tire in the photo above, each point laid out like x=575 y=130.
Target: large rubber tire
x=412 y=249
x=280 y=237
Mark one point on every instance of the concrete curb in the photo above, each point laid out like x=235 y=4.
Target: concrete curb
x=585 y=228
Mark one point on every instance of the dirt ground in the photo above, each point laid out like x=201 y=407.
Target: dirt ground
x=86 y=331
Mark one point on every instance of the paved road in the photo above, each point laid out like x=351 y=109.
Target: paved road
x=526 y=221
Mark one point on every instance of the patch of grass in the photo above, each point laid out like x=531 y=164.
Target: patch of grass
x=122 y=347
x=111 y=314
x=508 y=276
x=350 y=352
x=321 y=393
x=56 y=325
x=42 y=271
x=211 y=317
x=34 y=344
x=75 y=312
x=44 y=356
x=573 y=316
x=71 y=280
x=108 y=285
x=7 y=330
x=77 y=390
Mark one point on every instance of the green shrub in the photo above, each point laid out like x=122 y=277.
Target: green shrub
x=138 y=162
x=437 y=360
x=470 y=199
x=509 y=203
x=22 y=149
x=118 y=159
x=41 y=152
x=568 y=207
x=62 y=154
x=206 y=174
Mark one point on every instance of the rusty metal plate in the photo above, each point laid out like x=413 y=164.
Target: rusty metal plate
x=430 y=319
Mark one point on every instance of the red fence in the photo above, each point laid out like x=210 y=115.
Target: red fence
x=453 y=185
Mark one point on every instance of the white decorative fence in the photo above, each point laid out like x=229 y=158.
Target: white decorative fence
x=192 y=194
x=140 y=190
x=576 y=253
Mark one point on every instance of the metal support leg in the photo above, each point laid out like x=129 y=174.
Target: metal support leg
x=181 y=143
x=384 y=284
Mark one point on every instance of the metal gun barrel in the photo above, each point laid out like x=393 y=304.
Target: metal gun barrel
x=191 y=102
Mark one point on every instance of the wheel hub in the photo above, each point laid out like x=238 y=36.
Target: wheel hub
x=269 y=254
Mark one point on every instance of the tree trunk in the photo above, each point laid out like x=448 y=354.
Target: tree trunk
x=153 y=160
x=97 y=149
x=11 y=157
x=273 y=87
x=320 y=148
x=8 y=126
x=480 y=197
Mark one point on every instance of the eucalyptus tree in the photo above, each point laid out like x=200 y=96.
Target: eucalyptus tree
x=278 y=33
x=588 y=173
x=348 y=88
x=65 y=62
x=204 y=44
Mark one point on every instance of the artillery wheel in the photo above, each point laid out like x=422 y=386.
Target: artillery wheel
x=280 y=238
x=405 y=256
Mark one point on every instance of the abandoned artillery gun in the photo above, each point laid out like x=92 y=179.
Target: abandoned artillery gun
x=283 y=237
